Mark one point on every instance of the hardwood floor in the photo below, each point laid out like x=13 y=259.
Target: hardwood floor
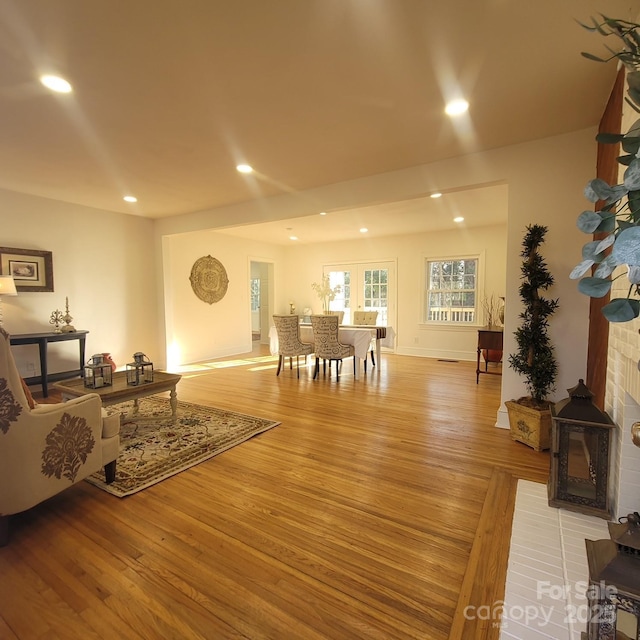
x=379 y=509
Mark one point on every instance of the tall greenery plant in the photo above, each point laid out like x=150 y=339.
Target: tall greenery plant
x=535 y=359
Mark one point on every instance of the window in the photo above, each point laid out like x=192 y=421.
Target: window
x=451 y=291
x=255 y=294
x=376 y=297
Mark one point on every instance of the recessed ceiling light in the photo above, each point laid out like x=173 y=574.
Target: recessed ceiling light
x=244 y=168
x=55 y=83
x=436 y=195
x=130 y=199
x=323 y=213
x=364 y=230
x=456 y=107
x=293 y=237
x=458 y=219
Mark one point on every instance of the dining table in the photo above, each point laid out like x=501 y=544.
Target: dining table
x=384 y=336
x=359 y=336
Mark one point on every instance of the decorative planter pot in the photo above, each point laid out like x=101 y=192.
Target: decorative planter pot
x=108 y=359
x=529 y=426
x=492 y=355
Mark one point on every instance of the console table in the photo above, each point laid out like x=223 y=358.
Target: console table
x=42 y=340
x=491 y=340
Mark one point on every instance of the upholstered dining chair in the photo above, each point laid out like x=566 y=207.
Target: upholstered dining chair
x=46 y=448
x=328 y=346
x=340 y=315
x=367 y=318
x=289 y=344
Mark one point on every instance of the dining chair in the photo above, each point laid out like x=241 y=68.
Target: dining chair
x=328 y=346
x=367 y=318
x=289 y=344
x=340 y=315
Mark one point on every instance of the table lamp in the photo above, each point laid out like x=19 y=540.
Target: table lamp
x=7 y=288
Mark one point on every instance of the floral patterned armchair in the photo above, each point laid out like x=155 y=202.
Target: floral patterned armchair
x=47 y=448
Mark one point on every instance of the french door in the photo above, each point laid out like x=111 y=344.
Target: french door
x=366 y=286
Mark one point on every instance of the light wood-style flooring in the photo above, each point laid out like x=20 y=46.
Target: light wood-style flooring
x=379 y=509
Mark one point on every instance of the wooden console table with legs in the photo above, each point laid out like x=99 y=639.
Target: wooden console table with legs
x=42 y=340
x=491 y=340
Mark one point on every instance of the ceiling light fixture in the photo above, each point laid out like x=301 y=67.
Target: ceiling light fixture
x=244 y=168
x=293 y=237
x=56 y=83
x=456 y=107
x=364 y=230
x=458 y=219
x=323 y=213
x=130 y=199
x=436 y=195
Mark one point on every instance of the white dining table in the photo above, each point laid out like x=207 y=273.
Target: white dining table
x=359 y=337
x=384 y=336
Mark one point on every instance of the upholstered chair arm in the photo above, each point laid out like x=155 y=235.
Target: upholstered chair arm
x=110 y=422
x=47 y=449
x=90 y=401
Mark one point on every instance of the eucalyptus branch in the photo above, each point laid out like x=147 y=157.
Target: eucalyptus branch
x=619 y=215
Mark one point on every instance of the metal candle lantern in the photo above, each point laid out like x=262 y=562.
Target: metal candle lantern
x=614 y=582
x=140 y=370
x=97 y=372
x=580 y=454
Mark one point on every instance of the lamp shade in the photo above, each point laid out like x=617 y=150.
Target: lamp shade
x=7 y=286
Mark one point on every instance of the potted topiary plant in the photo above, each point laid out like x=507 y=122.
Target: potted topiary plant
x=530 y=416
x=619 y=215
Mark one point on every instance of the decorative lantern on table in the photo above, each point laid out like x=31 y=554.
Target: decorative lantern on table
x=97 y=372
x=140 y=370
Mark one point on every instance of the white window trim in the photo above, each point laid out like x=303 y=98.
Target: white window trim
x=480 y=282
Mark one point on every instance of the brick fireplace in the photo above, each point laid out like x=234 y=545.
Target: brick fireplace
x=548 y=571
x=623 y=405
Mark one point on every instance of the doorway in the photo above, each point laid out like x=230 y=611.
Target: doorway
x=365 y=286
x=261 y=299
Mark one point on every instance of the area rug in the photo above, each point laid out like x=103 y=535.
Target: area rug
x=154 y=448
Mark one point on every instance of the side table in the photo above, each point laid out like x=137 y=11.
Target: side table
x=42 y=340
x=490 y=339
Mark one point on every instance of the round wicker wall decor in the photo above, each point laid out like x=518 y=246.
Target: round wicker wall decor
x=209 y=279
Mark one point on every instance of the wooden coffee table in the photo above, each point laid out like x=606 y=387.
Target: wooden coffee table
x=120 y=391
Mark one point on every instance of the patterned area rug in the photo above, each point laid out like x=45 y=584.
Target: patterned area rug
x=154 y=449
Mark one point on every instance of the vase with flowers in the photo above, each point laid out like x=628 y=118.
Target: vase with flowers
x=326 y=292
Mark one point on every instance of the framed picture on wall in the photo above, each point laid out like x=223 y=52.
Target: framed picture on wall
x=32 y=270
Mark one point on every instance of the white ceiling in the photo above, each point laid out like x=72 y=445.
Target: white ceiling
x=169 y=95
x=479 y=207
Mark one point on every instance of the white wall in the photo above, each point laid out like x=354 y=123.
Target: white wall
x=197 y=330
x=148 y=262
x=104 y=262
x=304 y=266
x=546 y=179
x=201 y=331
